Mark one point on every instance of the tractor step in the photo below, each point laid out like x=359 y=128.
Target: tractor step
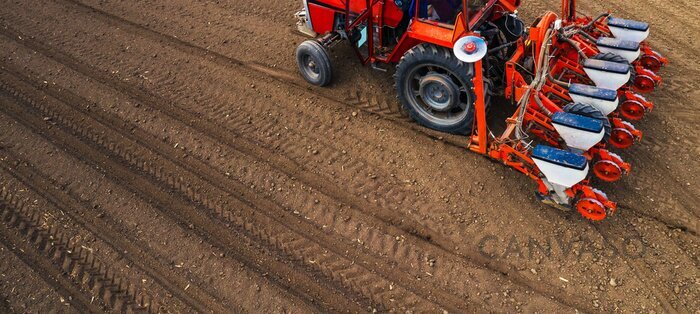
x=378 y=67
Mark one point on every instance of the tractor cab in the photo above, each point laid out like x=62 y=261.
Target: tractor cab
x=381 y=31
x=435 y=85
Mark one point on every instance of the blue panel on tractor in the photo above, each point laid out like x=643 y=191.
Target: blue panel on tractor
x=628 y=24
x=617 y=44
x=607 y=66
x=560 y=157
x=577 y=122
x=593 y=92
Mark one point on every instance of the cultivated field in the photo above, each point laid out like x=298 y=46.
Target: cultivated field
x=166 y=156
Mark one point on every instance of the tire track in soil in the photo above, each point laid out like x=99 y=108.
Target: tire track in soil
x=74 y=271
x=689 y=227
x=272 y=210
x=67 y=203
x=123 y=210
x=501 y=268
x=235 y=243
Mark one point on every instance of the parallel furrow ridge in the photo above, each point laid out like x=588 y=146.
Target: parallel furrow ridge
x=80 y=264
x=218 y=201
x=177 y=113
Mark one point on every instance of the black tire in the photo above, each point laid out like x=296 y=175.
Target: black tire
x=609 y=56
x=587 y=110
x=438 y=69
x=314 y=63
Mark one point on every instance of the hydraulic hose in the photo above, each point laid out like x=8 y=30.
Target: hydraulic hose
x=592 y=22
x=573 y=44
x=542 y=67
x=541 y=105
x=557 y=81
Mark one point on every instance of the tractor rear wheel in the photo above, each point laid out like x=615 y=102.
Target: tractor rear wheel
x=314 y=63
x=435 y=89
x=587 y=110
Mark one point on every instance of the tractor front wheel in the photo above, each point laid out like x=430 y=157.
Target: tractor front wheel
x=435 y=88
x=314 y=63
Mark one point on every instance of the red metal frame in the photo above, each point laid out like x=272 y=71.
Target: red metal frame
x=566 y=66
x=649 y=60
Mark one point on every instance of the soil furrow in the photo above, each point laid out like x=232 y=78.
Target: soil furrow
x=28 y=175
x=296 y=281
x=223 y=182
x=410 y=229
x=688 y=197
x=71 y=269
x=220 y=181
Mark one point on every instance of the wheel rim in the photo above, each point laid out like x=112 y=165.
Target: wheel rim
x=310 y=66
x=438 y=94
x=632 y=109
x=591 y=209
x=621 y=138
x=607 y=171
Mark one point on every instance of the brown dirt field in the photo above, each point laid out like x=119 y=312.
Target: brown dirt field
x=165 y=156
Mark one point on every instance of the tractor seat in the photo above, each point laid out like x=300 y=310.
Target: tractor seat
x=628 y=24
x=593 y=92
x=559 y=157
x=577 y=122
x=606 y=66
x=615 y=43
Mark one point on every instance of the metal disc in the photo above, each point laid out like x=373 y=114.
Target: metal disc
x=621 y=138
x=651 y=62
x=607 y=171
x=591 y=209
x=644 y=84
x=632 y=110
x=479 y=47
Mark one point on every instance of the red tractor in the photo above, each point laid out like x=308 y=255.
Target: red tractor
x=565 y=77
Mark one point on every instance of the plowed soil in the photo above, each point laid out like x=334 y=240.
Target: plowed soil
x=165 y=156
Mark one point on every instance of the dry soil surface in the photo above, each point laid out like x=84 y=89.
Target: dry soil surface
x=165 y=156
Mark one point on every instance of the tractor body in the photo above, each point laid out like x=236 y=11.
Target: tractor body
x=574 y=83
